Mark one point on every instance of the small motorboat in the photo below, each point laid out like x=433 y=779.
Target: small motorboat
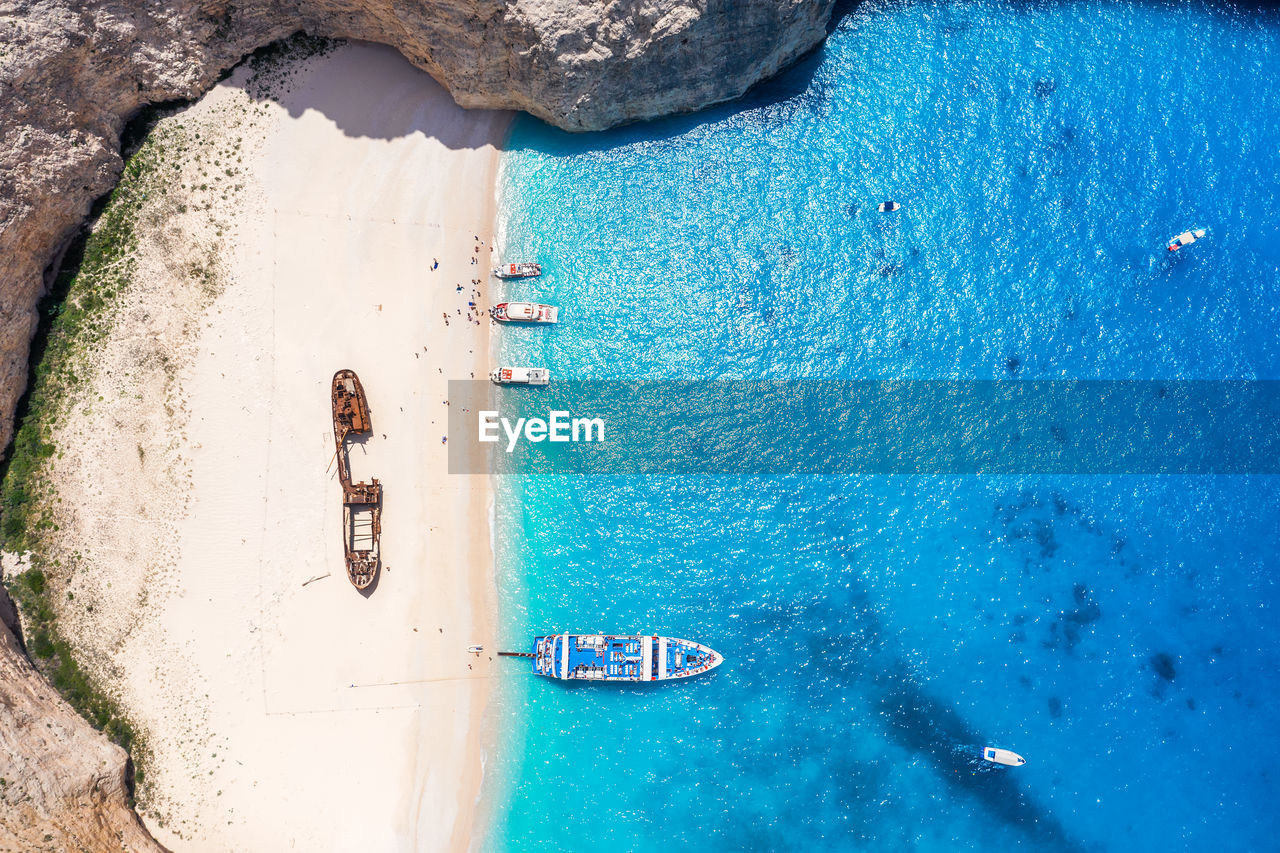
x=525 y=312
x=475 y=650
x=1186 y=238
x=888 y=206
x=1002 y=756
x=520 y=376
x=522 y=270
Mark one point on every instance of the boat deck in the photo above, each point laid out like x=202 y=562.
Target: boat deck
x=681 y=657
x=602 y=657
x=361 y=502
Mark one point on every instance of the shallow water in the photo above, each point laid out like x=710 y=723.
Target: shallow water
x=1113 y=629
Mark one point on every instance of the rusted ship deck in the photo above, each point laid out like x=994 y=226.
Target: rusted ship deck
x=361 y=502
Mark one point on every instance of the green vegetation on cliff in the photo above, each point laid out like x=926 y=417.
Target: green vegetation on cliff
x=75 y=318
x=54 y=658
x=149 y=237
x=78 y=312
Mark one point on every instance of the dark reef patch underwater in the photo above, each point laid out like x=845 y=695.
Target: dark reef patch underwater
x=1117 y=630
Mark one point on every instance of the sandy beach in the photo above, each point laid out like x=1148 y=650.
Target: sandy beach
x=282 y=709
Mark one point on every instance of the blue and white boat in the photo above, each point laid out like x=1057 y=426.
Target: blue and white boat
x=1186 y=238
x=609 y=657
x=1008 y=758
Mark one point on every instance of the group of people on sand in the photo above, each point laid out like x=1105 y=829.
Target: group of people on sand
x=473 y=307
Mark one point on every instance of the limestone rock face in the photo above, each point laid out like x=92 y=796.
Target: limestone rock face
x=64 y=783
x=73 y=71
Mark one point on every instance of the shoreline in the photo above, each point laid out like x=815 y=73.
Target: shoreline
x=205 y=586
x=484 y=595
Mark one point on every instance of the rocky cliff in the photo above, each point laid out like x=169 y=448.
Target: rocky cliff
x=62 y=784
x=73 y=71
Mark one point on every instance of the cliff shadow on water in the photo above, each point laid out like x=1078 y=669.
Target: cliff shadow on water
x=798 y=87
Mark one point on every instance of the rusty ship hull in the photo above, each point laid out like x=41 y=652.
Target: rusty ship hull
x=361 y=502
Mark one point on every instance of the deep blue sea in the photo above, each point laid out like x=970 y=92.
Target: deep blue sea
x=1119 y=630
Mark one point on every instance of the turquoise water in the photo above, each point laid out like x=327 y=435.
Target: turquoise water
x=1116 y=630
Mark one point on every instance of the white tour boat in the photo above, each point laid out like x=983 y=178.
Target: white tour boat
x=520 y=376
x=525 y=312
x=523 y=270
x=1186 y=238
x=620 y=657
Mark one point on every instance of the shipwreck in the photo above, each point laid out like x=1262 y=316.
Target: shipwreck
x=361 y=502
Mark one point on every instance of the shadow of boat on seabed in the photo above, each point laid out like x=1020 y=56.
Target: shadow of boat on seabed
x=863 y=662
x=932 y=729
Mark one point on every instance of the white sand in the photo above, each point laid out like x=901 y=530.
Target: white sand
x=292 y=717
